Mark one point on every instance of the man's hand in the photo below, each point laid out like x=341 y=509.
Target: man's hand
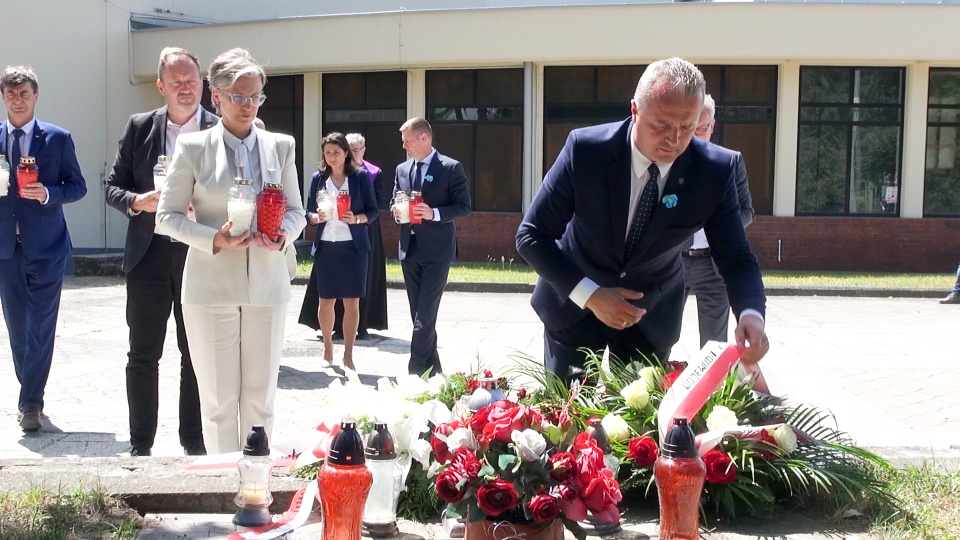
x=146 y=202
x=750 y=331
x=264 y=242
x=34 y=191
x=423 y=211
x=610 y=305
x=223 y=240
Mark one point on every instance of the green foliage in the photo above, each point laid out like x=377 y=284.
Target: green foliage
x=929 y=496
x=419 y=502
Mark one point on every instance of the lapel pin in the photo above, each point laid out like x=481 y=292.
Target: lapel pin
x=680 y=181
x=670 y=200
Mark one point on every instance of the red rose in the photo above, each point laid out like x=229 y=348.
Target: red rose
x=720 y=468
x=563 y=466
x=472 y=385
x=438 y=440
x=449 y=487
x=465 y=460
x=522 y=393
x=643 y=451
x=676 y=365
x=497 y=421
x=571 y=505
x=589 y=458
x=496 y=497
x=601 y=495
x=544 y=508
x=669 y=379
x=766 y=445
x=487 y=373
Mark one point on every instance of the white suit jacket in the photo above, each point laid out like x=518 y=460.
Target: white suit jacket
x=199 y=173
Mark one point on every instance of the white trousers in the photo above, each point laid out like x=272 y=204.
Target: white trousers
x=236 y=355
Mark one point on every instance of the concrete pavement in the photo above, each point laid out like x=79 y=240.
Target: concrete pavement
x=885 y=367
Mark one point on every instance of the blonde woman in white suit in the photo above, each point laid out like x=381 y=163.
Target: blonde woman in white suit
x=235 y=288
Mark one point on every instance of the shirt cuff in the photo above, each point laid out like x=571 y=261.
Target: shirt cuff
x=45 y=201
x=755 y=313
x=583 y=291
x=436 y=214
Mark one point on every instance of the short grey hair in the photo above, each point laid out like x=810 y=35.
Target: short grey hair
x=672 y=76
x=171 y=54
x=230 y=66
x=417 y=125
x=356 y=138
x=710 y=106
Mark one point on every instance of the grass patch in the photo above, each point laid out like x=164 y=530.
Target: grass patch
x=517 y=271
x=930 y=498
x=41 y=514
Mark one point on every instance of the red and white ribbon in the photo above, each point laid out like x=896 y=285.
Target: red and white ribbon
x=300 y=507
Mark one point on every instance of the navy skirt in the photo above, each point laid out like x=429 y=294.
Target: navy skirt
x=340 y=270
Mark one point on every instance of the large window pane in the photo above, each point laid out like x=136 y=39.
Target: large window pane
x=941 y=181
x=477 y=118
x=851 y=130
x=756 y=142
x=822 y=169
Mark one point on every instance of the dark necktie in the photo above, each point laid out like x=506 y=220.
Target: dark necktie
x=645 y=205
x=418 y=183
x=15 y=155
x=687 y=244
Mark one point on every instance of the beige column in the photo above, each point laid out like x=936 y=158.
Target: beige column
x=914 y=140
x=532 y=131
x=788 y=116
x=312 y=126
x=416 y=93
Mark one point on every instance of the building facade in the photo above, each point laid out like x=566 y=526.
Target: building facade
x=847 y=114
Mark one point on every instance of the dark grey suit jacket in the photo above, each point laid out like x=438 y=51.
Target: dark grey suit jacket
x=142 y=142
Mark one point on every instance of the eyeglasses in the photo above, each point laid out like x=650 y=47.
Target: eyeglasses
x=240 y=99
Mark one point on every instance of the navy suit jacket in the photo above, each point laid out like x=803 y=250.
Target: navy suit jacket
x=142 y=143
x=445 y=189
x=577 y=223
x=43 y=228
x=363 y=200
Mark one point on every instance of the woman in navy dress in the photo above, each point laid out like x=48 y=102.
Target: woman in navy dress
x=341 y=245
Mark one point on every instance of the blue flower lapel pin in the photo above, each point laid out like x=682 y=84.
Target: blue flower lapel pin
x=428 y=178
x=670 y=200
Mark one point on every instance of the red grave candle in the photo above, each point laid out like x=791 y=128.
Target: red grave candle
x=415 y=198
x=343 y=202
x=27 y=172
x=271 y=205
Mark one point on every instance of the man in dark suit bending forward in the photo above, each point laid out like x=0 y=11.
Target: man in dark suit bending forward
x=428 y=248
x=605 y=240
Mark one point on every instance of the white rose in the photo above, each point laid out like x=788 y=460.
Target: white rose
x=636 y=395
x=616 y=427
x=721 y=419
x=650 y=376
x=462 y=437
x=785 y=437
x=530 y=444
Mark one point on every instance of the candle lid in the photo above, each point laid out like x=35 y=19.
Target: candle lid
x=347 y=446
x=380 y=444
x=271 y=185
x=257 y=444
x=414 y=193
x=28 y=160
x=680 y=441
x=599 y=434
x=164 y=159
x=243 y=181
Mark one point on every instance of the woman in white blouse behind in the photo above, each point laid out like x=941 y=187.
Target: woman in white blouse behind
x=235 y=288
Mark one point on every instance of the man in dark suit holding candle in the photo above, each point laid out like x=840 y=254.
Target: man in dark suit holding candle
x=34 y=241
x=428 y=248
x=604 y=230
x=153 y=263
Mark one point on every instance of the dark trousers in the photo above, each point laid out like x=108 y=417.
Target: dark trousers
x=153 y=288
x=563 y=349
x=702 y=279
x=424 y=282
x=30 y=295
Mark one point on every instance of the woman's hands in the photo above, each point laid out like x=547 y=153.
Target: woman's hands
x=223 y=240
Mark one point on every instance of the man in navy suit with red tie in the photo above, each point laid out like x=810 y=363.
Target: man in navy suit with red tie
x=34 y=241
x=605 y=229
x=428 y=248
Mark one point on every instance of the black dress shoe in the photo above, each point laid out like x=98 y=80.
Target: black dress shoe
x=338 y=335
x=363 y=334
x=952 y=298
x=29 y=418
x=139 y=451
x=195 y=450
